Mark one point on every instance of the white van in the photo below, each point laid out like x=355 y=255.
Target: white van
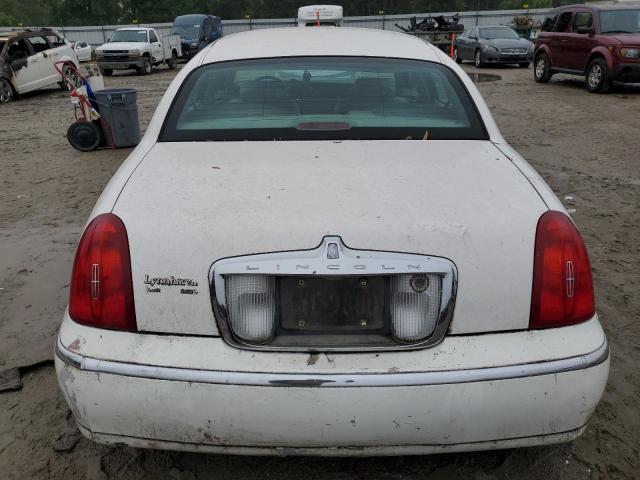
x=320 y=15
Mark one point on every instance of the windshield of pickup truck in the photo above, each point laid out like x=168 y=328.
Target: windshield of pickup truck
x=129 y=36
x=620 y=21
x=322 y=98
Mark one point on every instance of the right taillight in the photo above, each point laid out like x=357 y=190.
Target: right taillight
x=101 y=286
x=562 y=286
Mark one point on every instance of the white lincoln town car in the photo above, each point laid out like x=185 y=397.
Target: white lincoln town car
x=324 y=246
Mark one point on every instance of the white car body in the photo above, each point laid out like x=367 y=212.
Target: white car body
x=33 y=68
x=127 y=55
x=187 y=205
x=83 y=50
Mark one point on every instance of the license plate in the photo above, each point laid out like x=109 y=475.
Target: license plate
x=332 y=304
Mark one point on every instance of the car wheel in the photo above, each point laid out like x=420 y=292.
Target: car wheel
x=478 y=59
x=456 y=55
x=84 y=136
x=596 y=78
x=107 y=72
x=541 y=72
x=173 y=62
x=71 y=74
x=6 y=91
x=524 y=64
x=146 y=67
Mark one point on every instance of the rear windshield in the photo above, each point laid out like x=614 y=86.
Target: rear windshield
x=620 y=21
x=322 y=98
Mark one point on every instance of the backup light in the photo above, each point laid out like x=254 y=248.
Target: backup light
x=415 y=306
x=562 y=292
x=101 y=287
x=251 y=305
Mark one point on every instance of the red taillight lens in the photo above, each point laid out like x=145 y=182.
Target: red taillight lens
x=562 y=285
x=101 y=287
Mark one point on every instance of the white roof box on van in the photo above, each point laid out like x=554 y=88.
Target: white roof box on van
x=314 y=15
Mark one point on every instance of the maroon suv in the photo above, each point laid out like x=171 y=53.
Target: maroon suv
x=601 y=42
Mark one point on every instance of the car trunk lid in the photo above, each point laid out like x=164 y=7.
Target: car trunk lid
x=190 y=204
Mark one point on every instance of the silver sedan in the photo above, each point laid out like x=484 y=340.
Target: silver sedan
x=493 y=45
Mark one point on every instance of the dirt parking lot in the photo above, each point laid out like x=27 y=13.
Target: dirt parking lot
x=586 y=146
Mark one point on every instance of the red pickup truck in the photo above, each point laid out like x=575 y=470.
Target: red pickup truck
x=599 y=42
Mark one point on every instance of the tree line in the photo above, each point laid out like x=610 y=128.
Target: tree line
x=113 y=12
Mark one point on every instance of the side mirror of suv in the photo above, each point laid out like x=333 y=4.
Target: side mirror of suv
x=584 y=30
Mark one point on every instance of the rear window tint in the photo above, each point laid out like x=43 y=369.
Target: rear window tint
x=310 y=98
x=549 y=22
x=564 y=22
x=18 y=50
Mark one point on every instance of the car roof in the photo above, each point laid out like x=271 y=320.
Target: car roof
x=193 y=17
x=598 y=6
x=325 y=41
x=25 y=31
x=136 y=28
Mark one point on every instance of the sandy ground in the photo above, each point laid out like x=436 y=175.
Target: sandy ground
x=586 y=146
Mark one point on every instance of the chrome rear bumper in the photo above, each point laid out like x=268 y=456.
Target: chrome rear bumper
x=446 y=377
x=200 y=394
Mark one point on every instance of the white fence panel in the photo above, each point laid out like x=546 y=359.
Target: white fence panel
x=97 y=35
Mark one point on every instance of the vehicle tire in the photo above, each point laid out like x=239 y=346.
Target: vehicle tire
x=541 y=71
x=173 y=62
x=107 y=72
x=456 y=56
x=73 y=77
x=6 y=91
x=84 y=136
x=596 y=77
x=478 y=59
x=524 y=64
x=146 y=67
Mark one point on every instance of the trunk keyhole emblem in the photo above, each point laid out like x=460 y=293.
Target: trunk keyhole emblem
x=333 y=252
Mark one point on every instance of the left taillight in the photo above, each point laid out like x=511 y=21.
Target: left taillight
x=101 y=286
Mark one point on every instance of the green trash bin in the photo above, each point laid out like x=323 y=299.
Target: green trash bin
x=119 y=109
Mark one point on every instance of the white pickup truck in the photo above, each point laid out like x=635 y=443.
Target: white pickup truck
x=138 y=48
